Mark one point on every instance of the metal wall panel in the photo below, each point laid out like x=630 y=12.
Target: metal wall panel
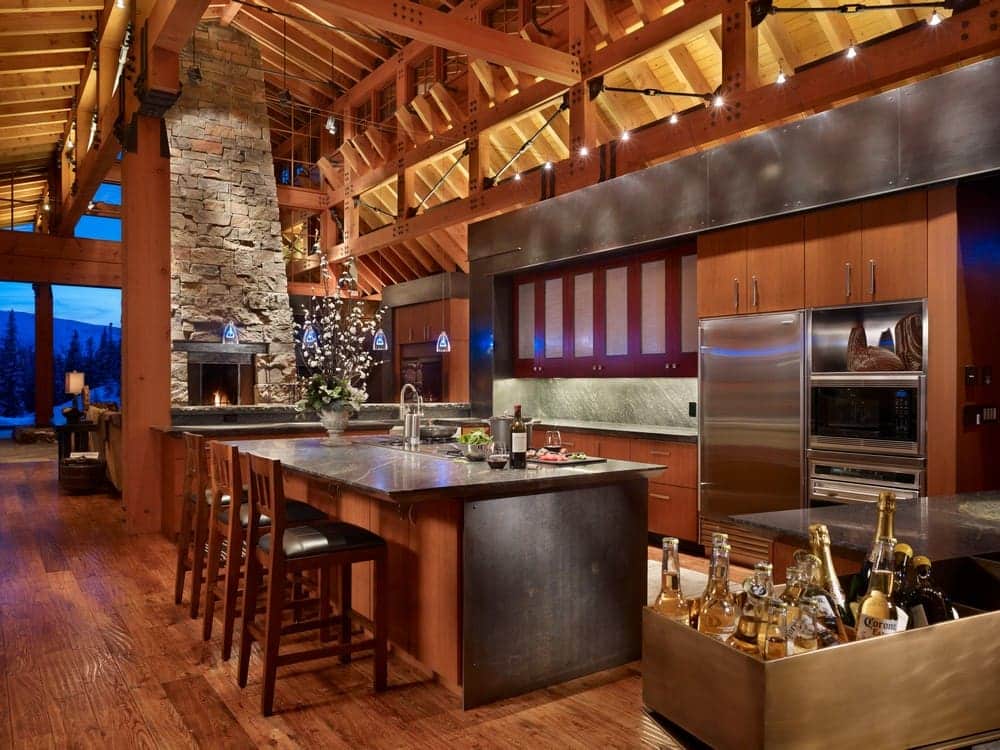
x=553 y=588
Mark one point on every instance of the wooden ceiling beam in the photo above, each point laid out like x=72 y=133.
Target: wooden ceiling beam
x=38 y=120
x=298 y=89
x=365 y=52
x=403 y=258
x=297 y=62
x=378 y=262
x=31 y=109
x=21 y=81
x=372 y=272
x=781 y=44
x=422 y=257
x=40 y=22
x=337 y=51
x=687 y=70
x=834 y=26
x=431 y=247
x=33 y=44
x=455 y=250
x=451 y=31
x=42 y=61
x=229 y=12
x=49 y=6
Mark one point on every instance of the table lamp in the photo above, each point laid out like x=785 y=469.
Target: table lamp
x=74 y=386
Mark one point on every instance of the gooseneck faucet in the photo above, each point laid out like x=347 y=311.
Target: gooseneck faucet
x=402 y=400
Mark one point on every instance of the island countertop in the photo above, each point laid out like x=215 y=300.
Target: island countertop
x=942 y=528
x=406 y=476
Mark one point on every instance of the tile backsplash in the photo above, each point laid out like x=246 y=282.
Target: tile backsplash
x=652 y=401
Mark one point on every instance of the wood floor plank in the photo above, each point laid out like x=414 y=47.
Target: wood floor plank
x=94 y=653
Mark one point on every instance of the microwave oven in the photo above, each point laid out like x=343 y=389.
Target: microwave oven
x=876 y=413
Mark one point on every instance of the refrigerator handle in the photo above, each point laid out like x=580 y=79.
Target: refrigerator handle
x=736 y=293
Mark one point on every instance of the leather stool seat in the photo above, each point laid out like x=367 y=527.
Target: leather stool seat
x=225 y=500
x=295 y=512
x=323 y=538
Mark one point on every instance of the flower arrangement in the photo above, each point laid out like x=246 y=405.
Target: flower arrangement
x=333 y=340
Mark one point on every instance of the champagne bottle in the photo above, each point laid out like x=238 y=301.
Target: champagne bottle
x=826 y=609
x=670 y=601
x=518 y=441
x=719 y=612
x=927 y=603
x=884 y=529
x=877 y=615
x=819 y=540
x=757 y=590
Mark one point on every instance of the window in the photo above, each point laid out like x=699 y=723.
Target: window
x=505 y=17
x=455 y=65
x=423 y=75
x=386 y=102
x=362 y=116
x=542 y=9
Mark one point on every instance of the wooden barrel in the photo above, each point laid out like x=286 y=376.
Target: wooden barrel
x=78 y=477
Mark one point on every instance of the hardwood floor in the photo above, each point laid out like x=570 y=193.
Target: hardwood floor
x=94 y=653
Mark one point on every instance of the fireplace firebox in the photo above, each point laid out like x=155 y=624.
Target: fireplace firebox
x=220 y=374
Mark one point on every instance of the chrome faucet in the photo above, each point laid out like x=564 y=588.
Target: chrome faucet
x=402 y=400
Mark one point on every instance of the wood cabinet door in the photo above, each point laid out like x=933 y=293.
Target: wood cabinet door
x=525 y=344
x=722 y=273
x=552 y=352
x=615 y=321
x=673 y=511
x=681 y=460
x=833 y=266
x=617 y=448
x=577 y=442
x=775 y=260
x=894 y=246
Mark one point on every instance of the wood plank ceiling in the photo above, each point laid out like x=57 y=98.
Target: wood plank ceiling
x=44 y=47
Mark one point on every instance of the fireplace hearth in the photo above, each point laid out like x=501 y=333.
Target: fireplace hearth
x=221 y=374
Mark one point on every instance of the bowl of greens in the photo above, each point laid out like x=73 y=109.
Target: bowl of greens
x=474 y=445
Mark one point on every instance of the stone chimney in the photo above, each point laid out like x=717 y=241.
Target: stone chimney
x=226 y=261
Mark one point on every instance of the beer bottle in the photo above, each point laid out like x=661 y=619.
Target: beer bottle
x=928 y=604
x=877 y=615
x=757 y=589
x=718 y=613
x=670 y=601
x=902 y=553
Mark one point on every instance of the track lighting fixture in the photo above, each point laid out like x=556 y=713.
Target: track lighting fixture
x=781 y=77
x=547 y=166
x=91 y=205
x=517 y=177
x=46 y=206
x=584 y=151
x=331 y=125
x=674 y=118
x=285 y=97
x=761 y=9
x=625 y=136
x=851 y=52
x=718 y=101
x=489 y=182
x=597 y=87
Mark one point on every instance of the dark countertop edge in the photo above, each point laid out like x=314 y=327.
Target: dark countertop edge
x=494 y=491
x=355 y=425
x=649 y=432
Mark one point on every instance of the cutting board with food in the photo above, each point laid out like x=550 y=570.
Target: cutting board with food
x=543 y=457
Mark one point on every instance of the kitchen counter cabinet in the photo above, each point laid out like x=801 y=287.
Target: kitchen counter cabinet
x=479 y=560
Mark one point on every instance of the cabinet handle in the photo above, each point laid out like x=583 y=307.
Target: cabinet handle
x=755 y=293
x=736 y=294
x=660 y=453
x=659 y=497
x=847 y=279
x=871 y=277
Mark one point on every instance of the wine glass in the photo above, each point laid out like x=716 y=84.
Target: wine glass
x=553 y=441
x=497 y=455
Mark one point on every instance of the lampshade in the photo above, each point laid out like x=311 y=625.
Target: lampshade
x=443 y=344
x=310 y=336
x=380 y=342
x=74 y=382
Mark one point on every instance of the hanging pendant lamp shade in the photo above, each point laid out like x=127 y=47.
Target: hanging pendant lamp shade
x=443 y=345
x=380 y=342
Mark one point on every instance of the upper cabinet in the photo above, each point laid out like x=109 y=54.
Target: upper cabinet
x=894 y=247
x=872 y=251
x=632 y=316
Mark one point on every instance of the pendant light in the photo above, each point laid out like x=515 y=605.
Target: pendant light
x=443 y=345
x=380 y=342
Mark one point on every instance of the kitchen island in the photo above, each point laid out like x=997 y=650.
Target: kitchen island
x=501 y=581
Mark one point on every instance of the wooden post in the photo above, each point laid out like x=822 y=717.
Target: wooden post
x=145 y=318
x=582 y=133
x=739 y=50
x=43 y=354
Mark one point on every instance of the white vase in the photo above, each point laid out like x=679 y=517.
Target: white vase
x=334 y=420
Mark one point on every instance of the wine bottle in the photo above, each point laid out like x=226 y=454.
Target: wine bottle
x=819 y=540
x=884 y=529
x=518 y=441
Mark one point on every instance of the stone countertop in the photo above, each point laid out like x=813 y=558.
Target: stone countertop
x=404 y=476
x=943 y=528
x=672 y=432
x=305 y=427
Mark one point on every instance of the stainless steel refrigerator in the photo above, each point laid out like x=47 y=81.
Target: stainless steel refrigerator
x=751 y=414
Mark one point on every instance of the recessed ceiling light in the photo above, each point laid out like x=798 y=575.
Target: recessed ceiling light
x=718 y=101
x=517 y=177
x=584 y=151
x=547 y=165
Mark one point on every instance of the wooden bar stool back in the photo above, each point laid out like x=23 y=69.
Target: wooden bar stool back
x=282 y=550
x=193 y=533
x=227 y=539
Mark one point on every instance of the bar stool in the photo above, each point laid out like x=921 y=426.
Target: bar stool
x=228 y=529
x=193 y=531
x=284 y=550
